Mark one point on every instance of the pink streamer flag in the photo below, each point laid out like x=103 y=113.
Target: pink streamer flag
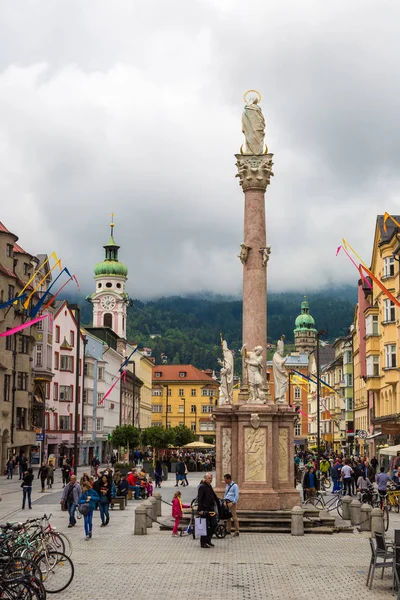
x=24 y=325
x=123 y=374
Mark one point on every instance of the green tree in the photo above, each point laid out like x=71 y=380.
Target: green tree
x=209 y=439
x=183 y=435
x=125 y=436
x=157 y=437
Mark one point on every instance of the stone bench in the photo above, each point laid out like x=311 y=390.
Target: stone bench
x=120 y=500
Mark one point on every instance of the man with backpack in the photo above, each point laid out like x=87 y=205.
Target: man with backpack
x=231 y=498
x=70 y=498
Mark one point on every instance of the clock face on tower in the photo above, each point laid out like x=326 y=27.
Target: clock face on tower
x=107 y=302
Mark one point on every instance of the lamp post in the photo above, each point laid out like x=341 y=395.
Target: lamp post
x=319 y=333
x=166 y=407
x=77 y=310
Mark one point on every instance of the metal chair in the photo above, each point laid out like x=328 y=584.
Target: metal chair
x=396 y=564
x=381 y=557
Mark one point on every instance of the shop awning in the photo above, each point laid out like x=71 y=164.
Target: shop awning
x=390 y=450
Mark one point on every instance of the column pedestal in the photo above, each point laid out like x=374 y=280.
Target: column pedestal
x=254 y=443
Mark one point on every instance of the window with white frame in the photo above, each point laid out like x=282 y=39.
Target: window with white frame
x=347 y=357
x=372 y=366
x=85 y=396
x=181 y=408
x=99 y=398
x=207 y=408
x=390 y=356
x=388 y=266
x=207 y=426
x=85 y=424
x=193 y=408
x=182 y=374
x=64 y=422
x=169 y=408
x=99 y=424
x=297 y=393
x=349 y=403
x=297 y=429
x=157 y=423
x=181 y=392
x=348 y=380
x=207 y=392
x=193 y=392
x=157 y=392
x=65 y=363
x=389 y=311
x=157 y=408
x=39 y=355
x=101 y=374
x=309 y=428
x=65 y=393
x=157 y=374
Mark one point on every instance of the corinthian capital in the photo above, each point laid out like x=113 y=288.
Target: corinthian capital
x=254 y=171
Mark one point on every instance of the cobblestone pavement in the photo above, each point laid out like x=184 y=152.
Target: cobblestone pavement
x=117 y=563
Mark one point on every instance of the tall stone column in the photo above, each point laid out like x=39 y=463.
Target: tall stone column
x=254 y=173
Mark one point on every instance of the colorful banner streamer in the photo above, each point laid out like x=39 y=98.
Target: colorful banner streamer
x=39 y=304
x=24 y=325
x=52 y=255
x=128 y=359
x=58 y=263
x=123 y=374
x=13 y=300
x=60 y=290
x=387 y=216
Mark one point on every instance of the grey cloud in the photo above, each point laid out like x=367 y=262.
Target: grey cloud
x=135 y=109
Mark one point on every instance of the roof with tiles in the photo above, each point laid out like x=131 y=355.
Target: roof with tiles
x=17 y=248
x=3 y=228
x=172 y=373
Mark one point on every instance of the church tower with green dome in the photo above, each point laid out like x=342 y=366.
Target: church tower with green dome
x=110 y=300
x=305 y=334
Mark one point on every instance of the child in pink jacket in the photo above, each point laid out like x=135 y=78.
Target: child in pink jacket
x=177 y=507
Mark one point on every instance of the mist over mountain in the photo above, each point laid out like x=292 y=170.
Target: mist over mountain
x=187 y=329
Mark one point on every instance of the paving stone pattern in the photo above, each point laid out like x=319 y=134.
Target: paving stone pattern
x=115 y=563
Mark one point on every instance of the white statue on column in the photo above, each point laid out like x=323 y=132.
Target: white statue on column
x=226 y=374
x=253 y=125
x=281 y=376
x=254 y=364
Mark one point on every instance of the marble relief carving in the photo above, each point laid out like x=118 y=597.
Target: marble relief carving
x=226 y=450
x=283 y=459
x=255 y=443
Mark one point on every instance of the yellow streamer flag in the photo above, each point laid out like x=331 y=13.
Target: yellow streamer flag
x=52 y=255
x=58 y=263
x=387 y=216
x=346 y=245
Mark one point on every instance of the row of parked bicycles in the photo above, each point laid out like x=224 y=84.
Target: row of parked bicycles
x=387 y=502
x=35 y=560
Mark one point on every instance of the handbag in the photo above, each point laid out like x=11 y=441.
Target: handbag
x=84 y=509
x=200 y=526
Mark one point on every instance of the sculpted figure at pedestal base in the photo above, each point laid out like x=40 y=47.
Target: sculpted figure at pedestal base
x=226 y=373
x=281 y=377
x=254 y=364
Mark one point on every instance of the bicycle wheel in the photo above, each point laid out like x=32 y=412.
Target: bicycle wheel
x=385 y=518
x=339 y=507
x=327 y=483
x=315 y=502
x=57 y=571
x=67 y=544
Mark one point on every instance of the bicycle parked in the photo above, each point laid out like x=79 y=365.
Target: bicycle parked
x=33 y=560
x=333 y=503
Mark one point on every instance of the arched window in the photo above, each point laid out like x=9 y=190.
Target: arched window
x=107 y=320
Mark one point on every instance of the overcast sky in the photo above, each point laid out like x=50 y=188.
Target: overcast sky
x=135 y=108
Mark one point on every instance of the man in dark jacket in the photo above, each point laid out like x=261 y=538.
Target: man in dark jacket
x=207 y=507
x=310 y=484
x=180 y=472
x=70 y=498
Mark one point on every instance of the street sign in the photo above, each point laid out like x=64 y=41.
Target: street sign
x=362 y=434
x=391 y=428
x=40 y=437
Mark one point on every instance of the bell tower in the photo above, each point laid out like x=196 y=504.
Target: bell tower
x=110 y=300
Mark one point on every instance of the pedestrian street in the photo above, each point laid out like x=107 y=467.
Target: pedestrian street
x=274 y=566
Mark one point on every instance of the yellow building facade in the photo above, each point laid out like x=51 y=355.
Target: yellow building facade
x=376 y=345
x=184 y=395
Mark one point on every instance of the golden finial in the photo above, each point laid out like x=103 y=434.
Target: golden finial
x=112 y=219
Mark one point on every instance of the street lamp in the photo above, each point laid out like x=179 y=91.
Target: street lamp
x=77 y=310
x=319 y=333
x=166 y=407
